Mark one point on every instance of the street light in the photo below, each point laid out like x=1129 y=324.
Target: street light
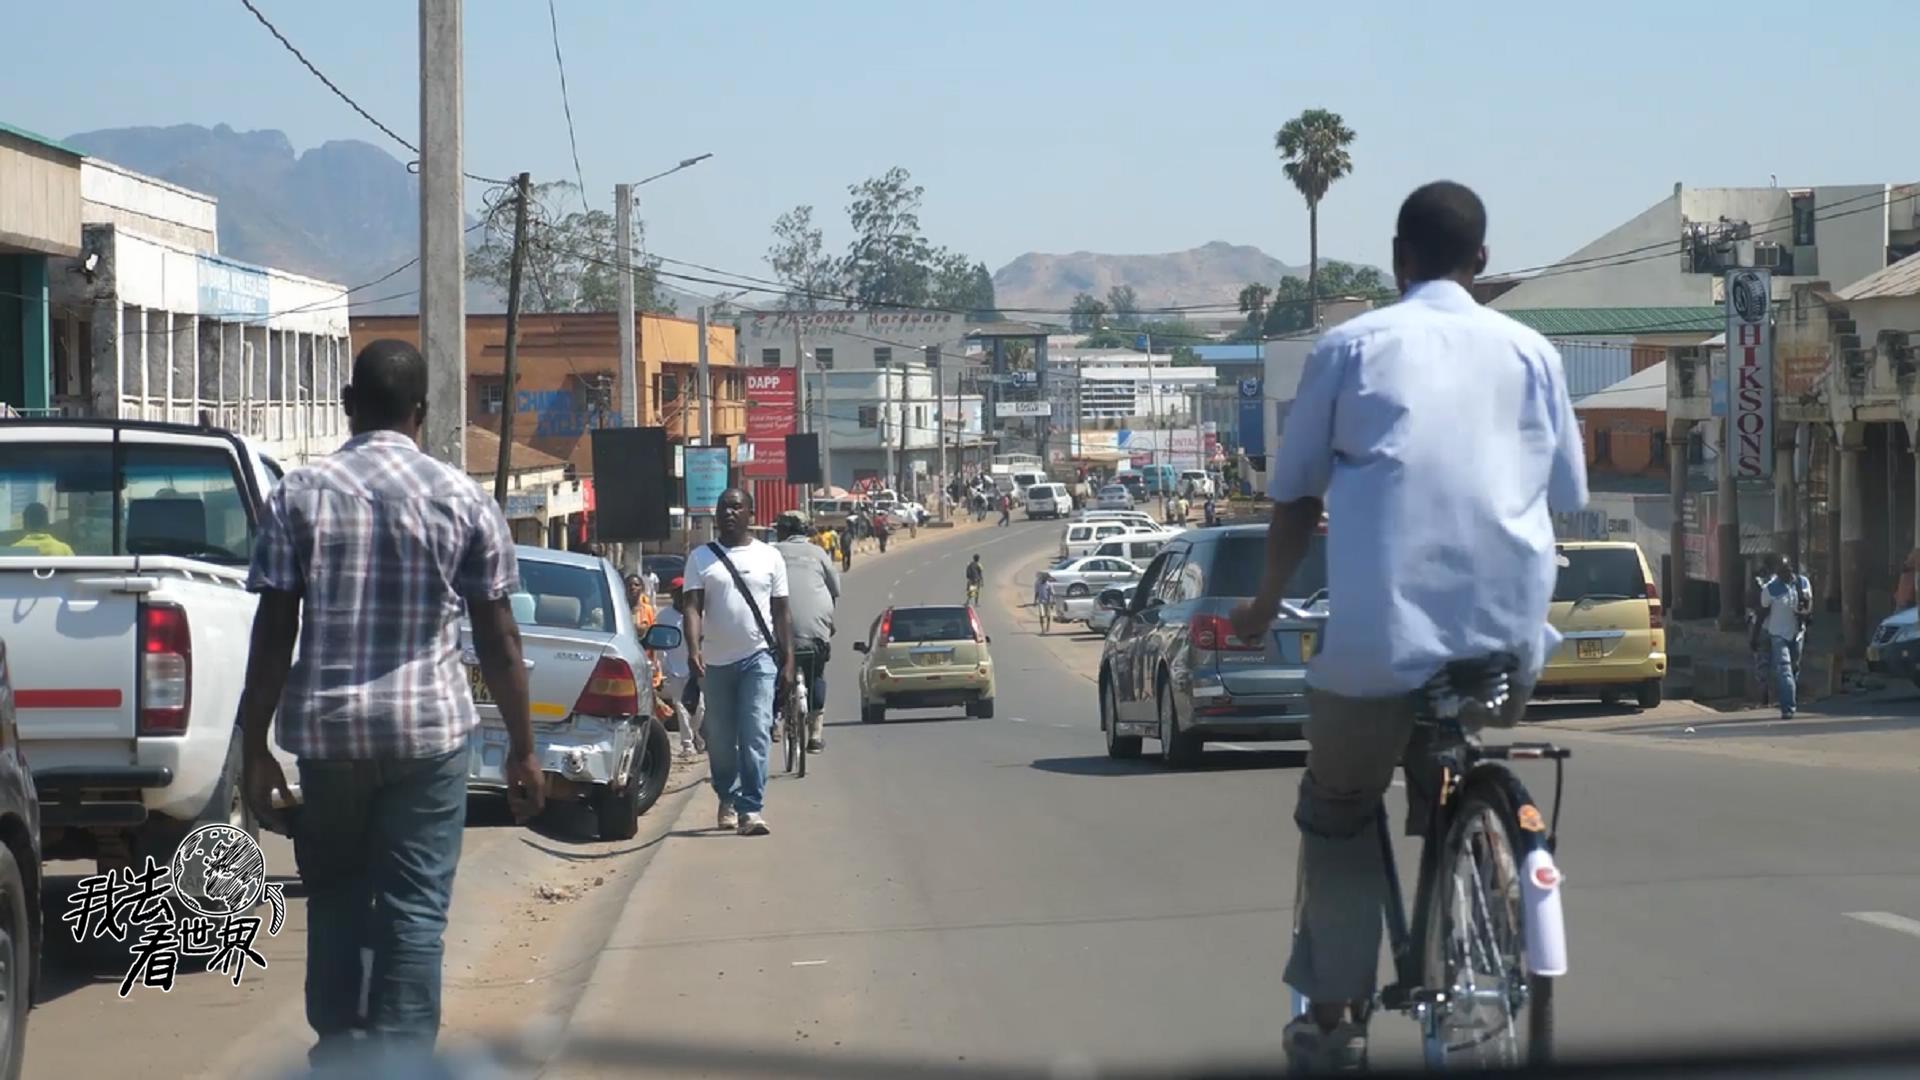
x=623 y=242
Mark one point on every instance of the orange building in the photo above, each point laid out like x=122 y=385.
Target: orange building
x=566 y=379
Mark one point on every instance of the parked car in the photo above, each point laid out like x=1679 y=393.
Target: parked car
x=590 y=690
x=1082 y=577
x=925 y=658
x=1137 y=517
x=1195 y=483
x=1607 y=608
x=1114 y=497
x=1048 y=501
x=124 y=561
x=1136 y=548
x=665 y=566
x=1135 y=483
x=1173 y=670
x=22 y=922
x=1895 y=649
x=1083 y=537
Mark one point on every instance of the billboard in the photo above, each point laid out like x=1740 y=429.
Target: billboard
x=706 y=468
x=1022 y=408
x=1750 y=373
x=771 y=409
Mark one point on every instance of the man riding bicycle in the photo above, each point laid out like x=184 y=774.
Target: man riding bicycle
x=975 y=575
x=1441 y=437
x=813 y=586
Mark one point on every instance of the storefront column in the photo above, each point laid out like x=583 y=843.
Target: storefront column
x=1679 y=435
x=36 y=335
x=1853 y=541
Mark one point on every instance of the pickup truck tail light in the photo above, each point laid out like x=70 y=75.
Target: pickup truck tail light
x=611 y=690
x=166 y=670
x=1213 y=632
x=1656 y=618
x=974 y=618
x=886 y=627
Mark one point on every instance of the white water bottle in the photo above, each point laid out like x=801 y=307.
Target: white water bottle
x=1546 y=926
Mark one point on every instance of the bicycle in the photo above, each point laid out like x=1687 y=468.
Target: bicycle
x=794 y=728
x=973 y=594
x=1488 y=935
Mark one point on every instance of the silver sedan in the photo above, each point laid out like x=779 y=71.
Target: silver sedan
x=1115 y=497
x=1081 y=577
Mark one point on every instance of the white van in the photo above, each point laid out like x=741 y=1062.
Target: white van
x=1082 y=537
x=1022 y=480
x=1048 y=501
x=1136 y=548
x=1196 y=483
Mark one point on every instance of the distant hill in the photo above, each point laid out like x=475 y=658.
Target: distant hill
x=1209 y=274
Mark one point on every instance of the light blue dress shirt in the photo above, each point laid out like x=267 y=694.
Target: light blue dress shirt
x=1440 y=434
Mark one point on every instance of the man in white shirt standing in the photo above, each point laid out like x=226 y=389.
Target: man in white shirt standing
x=740 y=644
x=1440 y=436
x=1788 y=600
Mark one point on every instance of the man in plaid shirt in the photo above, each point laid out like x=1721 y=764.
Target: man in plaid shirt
x=370 y=557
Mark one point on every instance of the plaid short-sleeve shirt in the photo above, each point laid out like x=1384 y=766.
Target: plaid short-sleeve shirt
x=382 y=544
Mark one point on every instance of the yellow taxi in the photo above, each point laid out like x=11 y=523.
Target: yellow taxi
x=1607 y=607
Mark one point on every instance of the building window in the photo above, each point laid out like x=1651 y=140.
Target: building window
x=1803 y=217
x=869 y=416
x=491 y=394
x=769 y=357
x=823 y=358
x=883 y=356
x=669 y=386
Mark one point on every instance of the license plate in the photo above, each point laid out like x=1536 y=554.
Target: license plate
x=1590 y=648
x=481 y=695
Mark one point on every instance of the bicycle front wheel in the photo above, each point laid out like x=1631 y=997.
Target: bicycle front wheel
x=788 y=728
x=1497 y=1014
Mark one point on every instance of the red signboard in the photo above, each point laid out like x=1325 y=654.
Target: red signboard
x=771 y=408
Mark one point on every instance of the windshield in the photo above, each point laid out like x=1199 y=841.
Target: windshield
x=1238 y=562
x=564 y=597
x=1599 y=574
x=930 y=624
x=163 y=500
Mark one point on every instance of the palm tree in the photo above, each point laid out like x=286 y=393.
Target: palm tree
x=1314 y=145
x=1253 y=301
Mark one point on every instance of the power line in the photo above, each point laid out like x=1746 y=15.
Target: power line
x=342 y=94
x=566 y=102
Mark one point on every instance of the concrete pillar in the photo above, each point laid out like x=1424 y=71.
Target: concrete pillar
x=1733 y=583
x=1786 y=509
x=1853 y=542
x=1679 y=434
x=104 y=321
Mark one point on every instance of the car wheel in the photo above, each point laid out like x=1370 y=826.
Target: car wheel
x=1118 y=746
x=1649 y=694
x=1610 y=698
x=981 y=709
x=873 y=714
x=226 y=806
x=17 y=959
x=1180 y=749
x=1077 y=589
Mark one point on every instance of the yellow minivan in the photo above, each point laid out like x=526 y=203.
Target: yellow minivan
x=1607 y=607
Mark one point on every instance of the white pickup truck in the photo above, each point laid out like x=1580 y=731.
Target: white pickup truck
x=123 y=559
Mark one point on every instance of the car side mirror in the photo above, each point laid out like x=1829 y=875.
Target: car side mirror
x=859 y=646
x=662 y=638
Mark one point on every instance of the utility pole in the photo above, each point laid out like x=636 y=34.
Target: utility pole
x=623 y=244
x=886 y=420
x=510 y=372
x=706 y=402
x=443 y=254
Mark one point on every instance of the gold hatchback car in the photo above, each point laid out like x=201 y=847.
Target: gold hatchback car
x=1607 y=607
x=925 y=658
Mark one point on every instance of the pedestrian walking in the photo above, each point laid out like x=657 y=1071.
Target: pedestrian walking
x=676 y=683
x=1006 y=510
x=370 y=556
x=882 y=527
x=741 y=646
x=1788 y=600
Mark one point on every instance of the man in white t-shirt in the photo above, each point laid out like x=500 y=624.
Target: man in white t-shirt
x=740 y=644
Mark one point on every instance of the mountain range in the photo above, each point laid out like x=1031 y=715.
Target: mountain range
x=348 y=211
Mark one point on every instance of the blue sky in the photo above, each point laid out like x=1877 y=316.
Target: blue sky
x=1043 y=125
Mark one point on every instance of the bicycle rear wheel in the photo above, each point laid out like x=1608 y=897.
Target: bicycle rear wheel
x=787 y=730
x=1497 y=1013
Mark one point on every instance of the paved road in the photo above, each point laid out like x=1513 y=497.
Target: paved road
x=966 y=892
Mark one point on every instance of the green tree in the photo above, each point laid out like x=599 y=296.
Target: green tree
x=1293 y=303
x=1314 y=145
x=572 y=262
x=1124 y=303
x=1253 y=301
x=800 y=260
x=1086 y=315
x=959 y=284
x=889 y=261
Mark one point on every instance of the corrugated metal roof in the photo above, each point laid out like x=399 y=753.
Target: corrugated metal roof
x=1559 y=322
x=1644 y=389
x=51 y=144
x=1900 y=279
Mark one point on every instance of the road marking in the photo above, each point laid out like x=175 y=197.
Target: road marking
x=808 y=963
x=1018 y=719
x=1887 y=920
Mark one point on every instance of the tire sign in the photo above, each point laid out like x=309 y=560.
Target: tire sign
x=1750 y=373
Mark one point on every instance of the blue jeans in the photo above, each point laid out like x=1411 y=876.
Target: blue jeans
x=1786 y=669
x=376 y=843
x=740 y=729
